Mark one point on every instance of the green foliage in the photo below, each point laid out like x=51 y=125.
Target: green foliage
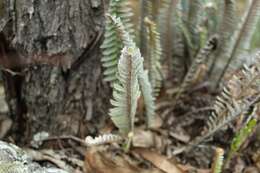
x=112 y=45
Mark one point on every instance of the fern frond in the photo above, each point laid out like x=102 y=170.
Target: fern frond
x=143 y=80
x=152 y=60
x=201 y=57
x=102 y=139
x=243 y=36
x=126 y=92
x=112 y=46
x=218 y=161
x=235 y=100
x=148 y=98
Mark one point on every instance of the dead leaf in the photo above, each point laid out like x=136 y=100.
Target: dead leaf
x=159 y=161
x=97 y=161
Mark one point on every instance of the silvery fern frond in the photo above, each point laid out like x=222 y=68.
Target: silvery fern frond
x=102 y=139
x=126 y=91
x=152 y=61
x=112 y=46
x=146 y=87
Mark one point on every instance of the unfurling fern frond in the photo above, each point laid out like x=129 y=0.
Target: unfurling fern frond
x=201 y=57
x=243 y=36
x=112 y=46
x=152 y=60
x=218 y=161
x=146 y=87
x=126 y=92
x=102 y=139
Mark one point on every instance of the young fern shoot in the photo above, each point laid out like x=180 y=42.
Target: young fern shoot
x=112 y=46
x=126 y=92
x=140 y=75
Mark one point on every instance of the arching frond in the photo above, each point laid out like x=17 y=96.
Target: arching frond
x=126 y=92
x=152 y=61
x=112 y=46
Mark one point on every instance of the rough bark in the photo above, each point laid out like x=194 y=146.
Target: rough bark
x=54 y=45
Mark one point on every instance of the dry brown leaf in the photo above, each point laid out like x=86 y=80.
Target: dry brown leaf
x=159 y=161
x=97 y=161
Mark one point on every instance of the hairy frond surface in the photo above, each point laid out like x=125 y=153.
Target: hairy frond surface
x=152 y=61
x=143 y=79
x=126 y=92
x=112 y=46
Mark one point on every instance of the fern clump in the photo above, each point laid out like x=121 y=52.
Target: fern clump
x=112 y=46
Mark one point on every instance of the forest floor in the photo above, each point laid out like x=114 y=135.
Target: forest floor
x=152 y=150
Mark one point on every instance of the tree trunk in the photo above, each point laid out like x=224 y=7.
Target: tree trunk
x=53 y=46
